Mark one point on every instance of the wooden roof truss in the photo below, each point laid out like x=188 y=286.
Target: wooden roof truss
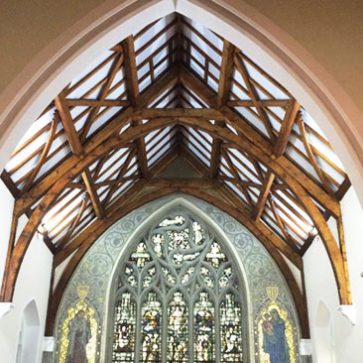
x=175 y=89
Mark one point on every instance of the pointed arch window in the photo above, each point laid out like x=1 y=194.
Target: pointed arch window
x=179 y=298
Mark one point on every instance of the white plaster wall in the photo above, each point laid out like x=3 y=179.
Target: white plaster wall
x=33 y=283
x=346 y=340
x=6 y=211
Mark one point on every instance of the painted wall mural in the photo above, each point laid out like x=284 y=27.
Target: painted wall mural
x=276 y=331
x=79 y=331
x=272 y=332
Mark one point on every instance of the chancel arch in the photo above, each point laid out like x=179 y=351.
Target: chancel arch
x=179 y=296
x=258 y=290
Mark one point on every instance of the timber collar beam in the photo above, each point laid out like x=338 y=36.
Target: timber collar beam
x=195 y=118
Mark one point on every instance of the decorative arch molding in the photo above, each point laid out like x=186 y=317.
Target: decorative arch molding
x=26 y=97
x=298 y=296
x=186 y=206
x=96 y=271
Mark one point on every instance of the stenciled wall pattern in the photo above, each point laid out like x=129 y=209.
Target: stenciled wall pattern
x=81 y=320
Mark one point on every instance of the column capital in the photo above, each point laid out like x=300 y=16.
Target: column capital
x=305 y=347
x=349 y=312
x=5 y=308
x=48 y=344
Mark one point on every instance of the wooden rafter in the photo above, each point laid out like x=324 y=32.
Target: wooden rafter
x=288 y=123
x=311 y=154
x=80 y=102
x=77 y=149
x=132 y=84
x=240 y=65
x=265 y=191
x=79 y=164
x=43 y=185
x=279 y=149
x=324 y=198
x=206 y=113
x=116 y=64
x=262 y=103
x=246 y=199
x=219 y=132
x=248 y=133
x=43 y=154
x=224 y=88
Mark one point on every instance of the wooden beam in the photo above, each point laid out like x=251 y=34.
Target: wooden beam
x=239 y=62
x=265 y=191
x=102 y=94
x=262 y=103
x=200 y=183
x=286 y=127
x=77 y=149
x=43 y=156
x=92 y=192
x=68 y=125
x=248 y=133
x=132 y=82
x=85 y=102
x=300 y=192
x=78 y=166
x=5 y=177
x=226 y=73
x=224 y=87
x=311 y=155
x=280 y=147
x=132 y=85
x=41 y=187
x=206 y=113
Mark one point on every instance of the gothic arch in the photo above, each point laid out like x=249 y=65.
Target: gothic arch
x=261 y=273
x=180 y=206
x=298 y=296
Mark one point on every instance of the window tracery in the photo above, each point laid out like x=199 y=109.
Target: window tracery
x=178 y=298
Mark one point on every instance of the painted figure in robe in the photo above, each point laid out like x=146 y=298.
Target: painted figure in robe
x=274 y=338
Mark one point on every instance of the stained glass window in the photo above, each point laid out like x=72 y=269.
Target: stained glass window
x=178 y=298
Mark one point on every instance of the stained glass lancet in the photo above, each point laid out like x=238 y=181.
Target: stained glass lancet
x=179 y=298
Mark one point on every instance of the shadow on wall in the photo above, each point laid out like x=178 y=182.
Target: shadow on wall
x=29 y=335
x=323 y=336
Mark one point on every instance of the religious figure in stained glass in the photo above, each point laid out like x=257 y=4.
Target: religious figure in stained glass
x=124 y=339
x=178 y=298
x=151 y=325
x=204 y=329
x=177 y=329
x=230 y=312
